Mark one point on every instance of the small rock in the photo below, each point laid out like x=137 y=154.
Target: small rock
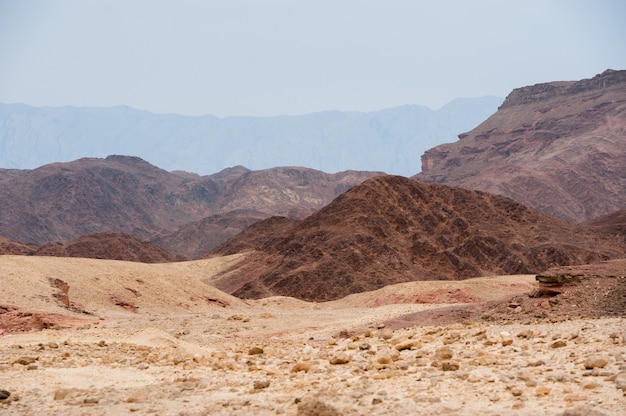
x=516 y=391
x=26 y=360
x=408 y=344
x=542 y=391
x=444 y=353
x=255 y=351
x=386 y=333
x=61 y=394
x=583 y=410
x=507 y=341
x=261 y=384
x=449 y=366
x=620 y=381
x=596 y=362
x=138 y=396
x=306 y=366
x=316 y=407
x=142 y=366
x=339 y=359
x=558 y=344
x=376 y=400
x=4 y=394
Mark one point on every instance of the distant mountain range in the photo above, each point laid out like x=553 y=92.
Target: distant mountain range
x=389 y=140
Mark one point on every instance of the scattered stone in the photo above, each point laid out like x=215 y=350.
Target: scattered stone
x=449 y=366
x=26 y=360
x=341 y=358
x=558 y=344
x=386 y=333
x=4 y=394
x=620 y=381
x=255 y=351
x=316 y=407
x=305 y=366
x=261 y=384
x=583 y=410
x=408 y=344
x=138 y=397
x=542 y=391
x=444 y=353
x=596 y=362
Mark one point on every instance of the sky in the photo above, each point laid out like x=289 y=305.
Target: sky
x=276 y=57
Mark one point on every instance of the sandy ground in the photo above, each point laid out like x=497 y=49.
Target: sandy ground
x=132 y=338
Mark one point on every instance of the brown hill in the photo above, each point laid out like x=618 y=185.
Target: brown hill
x=392 y=229
x=610 y=224
x=199 y=237
x=62 y=201
x=111 y=246
x=14 y=247
x=255 y=236
x=557 y=147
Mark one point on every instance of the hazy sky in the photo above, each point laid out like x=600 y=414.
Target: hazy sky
x=269 y=57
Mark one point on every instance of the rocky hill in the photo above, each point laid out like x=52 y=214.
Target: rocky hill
x=557 y=147
x=110 y=246
x=392 y=229
x=62 y=201
x=610 y=224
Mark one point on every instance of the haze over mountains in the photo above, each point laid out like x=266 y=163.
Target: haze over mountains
x=389 y=140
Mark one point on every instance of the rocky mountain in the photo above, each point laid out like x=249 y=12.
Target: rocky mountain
x=62 y=201
x=388 y=140
x=558 y=147
x=392 y=229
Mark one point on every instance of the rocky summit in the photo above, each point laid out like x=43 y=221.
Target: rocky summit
x=392 y=229
x=558 y=147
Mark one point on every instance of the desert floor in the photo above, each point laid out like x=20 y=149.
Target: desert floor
x=101 y=337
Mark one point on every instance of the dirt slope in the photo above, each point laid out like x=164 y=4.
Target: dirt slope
x=187 y=348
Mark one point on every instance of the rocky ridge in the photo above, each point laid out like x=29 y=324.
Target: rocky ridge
x=392 y=229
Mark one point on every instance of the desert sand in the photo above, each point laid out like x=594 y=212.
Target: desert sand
x=103 y=337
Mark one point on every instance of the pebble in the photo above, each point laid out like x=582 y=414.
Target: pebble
x=4 y=394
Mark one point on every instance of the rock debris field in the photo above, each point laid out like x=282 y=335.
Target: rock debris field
x=198 y=351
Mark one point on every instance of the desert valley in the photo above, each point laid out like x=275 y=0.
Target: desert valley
x=493 y=282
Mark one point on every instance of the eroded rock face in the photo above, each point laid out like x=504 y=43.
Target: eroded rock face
x=557 y=147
